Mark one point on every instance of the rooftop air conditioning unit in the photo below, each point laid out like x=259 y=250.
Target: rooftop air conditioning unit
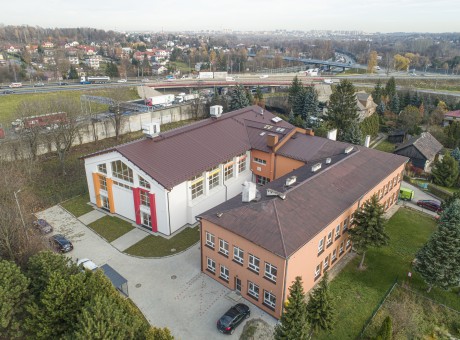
x=316 y=167
x=249 y=191
x=328 y=161
x=349 y=149
x=271 y=192
x=151 y=130
x=216 y=111
x=291 y=180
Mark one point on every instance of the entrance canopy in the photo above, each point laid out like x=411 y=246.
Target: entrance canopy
x=117 y=280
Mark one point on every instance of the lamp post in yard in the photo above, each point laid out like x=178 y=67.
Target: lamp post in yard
x=20 y=213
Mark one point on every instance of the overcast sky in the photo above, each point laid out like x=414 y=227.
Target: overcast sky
x=175 y=15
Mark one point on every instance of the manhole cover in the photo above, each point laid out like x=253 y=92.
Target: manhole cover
x=138 y=285
x=173 y=250
x=173 y=277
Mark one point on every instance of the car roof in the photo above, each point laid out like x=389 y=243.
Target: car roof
x=60 y=238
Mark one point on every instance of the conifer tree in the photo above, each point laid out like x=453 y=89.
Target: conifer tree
x=353 y=134
x=249 y=97
x=343 y=109
x=381 y=108
x=238 y=98
x=293 y=323
x=377 y=93
x=438 y=261
x=320 y=312
x=390 y=87
x=368 y=227
x=456 y=154
x=295 y=88
x=445 y=172
x=394 y=104
x=386 y=330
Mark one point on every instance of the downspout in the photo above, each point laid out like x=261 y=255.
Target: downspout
x=284 y=286
x=198 y=219
x=169 y=212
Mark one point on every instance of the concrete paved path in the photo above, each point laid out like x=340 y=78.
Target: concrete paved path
x=92 y=216
x=419 y=194
x=130 y=238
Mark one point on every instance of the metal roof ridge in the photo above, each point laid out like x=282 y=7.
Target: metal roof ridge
x=280 y=228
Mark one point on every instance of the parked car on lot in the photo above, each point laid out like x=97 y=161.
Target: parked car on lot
x=122 y=80
x=39 y=84
x=87 y=264
x=232 y=318
x=60 y=243
x=430 y=205
x=42 y=226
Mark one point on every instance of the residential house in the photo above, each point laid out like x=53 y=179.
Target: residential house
x=451 y=116
x=366 y=105
x=297 y=225
x=396 y=136
x=158 y=69
x=48 y=44
x=74 y=60
x=422 y=150
x=93 y=63
x=13 y=49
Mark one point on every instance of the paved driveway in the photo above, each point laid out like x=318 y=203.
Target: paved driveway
x=171 y=292
x=419 y=194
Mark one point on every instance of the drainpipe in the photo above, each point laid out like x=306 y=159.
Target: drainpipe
x=169 y=212
x=284 y=286
x=198 y=219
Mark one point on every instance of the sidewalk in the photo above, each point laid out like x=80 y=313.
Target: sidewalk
x=129 y=239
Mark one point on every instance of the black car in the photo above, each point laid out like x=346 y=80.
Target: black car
x=430 y=205
x=232 y=318
x=63 y=83
x=8 y=91
x=60 y=243
x=42 y=226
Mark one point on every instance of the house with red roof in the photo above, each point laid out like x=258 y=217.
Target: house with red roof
x=451 y=116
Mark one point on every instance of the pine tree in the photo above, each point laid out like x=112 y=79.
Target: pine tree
x=390 y=87
x=368 y=227
x=377 y=93
x=13 y=296
x=386 y=330
x=394 y=104
x=438 y=261
x=353 y=134
x=73 y=74
x=445 y=172
x=291 y=117
x=456 y=154
x=238 y=98
x=381 y=108
x=295 y=88
x=343 y=109
x=249 y=97
x=320 y=312
x=298 y=105
x=311 y=103
x=293 y=323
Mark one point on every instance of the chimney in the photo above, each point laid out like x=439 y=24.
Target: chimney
x=272 y=140
x=332 y=135
x=151 y=130
x=367 y=141
x=291 y=180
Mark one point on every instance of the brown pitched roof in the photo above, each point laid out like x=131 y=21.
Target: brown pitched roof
x=426 y=144
x=177 y=155
x=284 y=226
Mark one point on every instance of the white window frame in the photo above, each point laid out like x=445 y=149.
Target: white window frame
x=268 y=297
x=260 y=161
x=103 y=183
x=197 y=187
x=341 y=247
x=345 y=224
x=253 y=289
x=214 y=178
x=318 y=270
x=146 y=219
x=337 y=231
x=224 y=273
x=262 y=180
x=254 y=263
x=210 y=239
x=229 y=171
x=143 y=182
x=320 y=245
x=238 y=254
x=334 y=255
x=211 y=264
x=269 y=268
x=144 y=198
x=348 y=243
x=122 y=171
x=242 y=164
x=326 y=262
x=223 y=247
x=329 y=238
x=102 y=168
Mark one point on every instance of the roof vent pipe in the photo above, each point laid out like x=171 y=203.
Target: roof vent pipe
x=328 y=161
x=348 y=150
x=367 y=141
x=316 y=167
x=291 y=180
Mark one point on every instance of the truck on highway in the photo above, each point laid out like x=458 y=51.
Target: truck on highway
x=164 y=100
x=94 y=79
x=182 y=97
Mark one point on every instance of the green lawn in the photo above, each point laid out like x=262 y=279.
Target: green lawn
x=356 y=293
x=9 y=103
x=183 y=67
x=157 y=246
x=77 y=205
x=110 y=227
x=385 y=146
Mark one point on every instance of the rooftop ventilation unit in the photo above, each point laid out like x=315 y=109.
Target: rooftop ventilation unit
x=271 y=192
x=276 y=120
x=328 y=161
x=249 y=191
x=216 y=111
x=316 y=167
x=151 y=130
x=291 y=180
x=349 y=149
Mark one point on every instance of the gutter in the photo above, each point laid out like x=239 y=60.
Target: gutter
x=169 y=211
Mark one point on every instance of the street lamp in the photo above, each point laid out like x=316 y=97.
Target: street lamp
x=20 y=212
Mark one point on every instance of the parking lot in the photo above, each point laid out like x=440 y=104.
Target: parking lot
x=171 y=292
